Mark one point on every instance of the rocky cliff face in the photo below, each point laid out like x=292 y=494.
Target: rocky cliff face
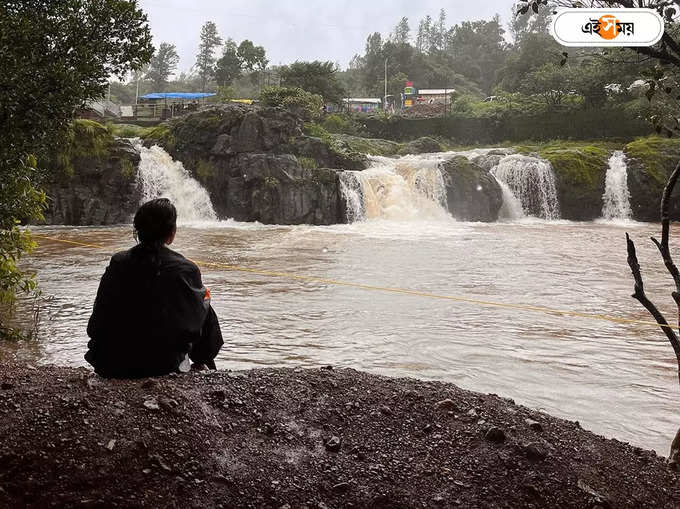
x=98 y=190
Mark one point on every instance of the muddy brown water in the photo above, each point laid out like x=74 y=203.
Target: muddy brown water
x=619 y=380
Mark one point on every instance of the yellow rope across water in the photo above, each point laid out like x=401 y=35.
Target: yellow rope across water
x=403 y=291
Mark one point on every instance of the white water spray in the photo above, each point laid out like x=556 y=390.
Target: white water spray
x=531 y=181
x=161 y=177
x=616 y=198
x=405 y=189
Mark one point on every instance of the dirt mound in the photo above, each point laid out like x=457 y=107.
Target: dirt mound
x=301 y=438
x=423 y=110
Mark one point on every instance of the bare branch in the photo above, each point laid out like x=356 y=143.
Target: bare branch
x=648 y=304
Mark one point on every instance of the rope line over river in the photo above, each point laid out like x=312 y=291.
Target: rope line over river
x=404 y=291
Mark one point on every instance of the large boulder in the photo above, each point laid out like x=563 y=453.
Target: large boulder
x=472 y=193
x=97 y=190
x=275 y=188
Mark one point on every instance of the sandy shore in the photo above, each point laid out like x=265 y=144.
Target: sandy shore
x=287 y=438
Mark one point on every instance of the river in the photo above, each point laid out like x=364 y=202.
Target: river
x=619 y=380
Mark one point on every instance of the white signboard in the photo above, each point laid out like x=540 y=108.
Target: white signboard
x=607 y=27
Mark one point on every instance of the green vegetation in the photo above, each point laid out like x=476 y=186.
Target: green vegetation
x=33 y=59
x=160 y=135
x=658 y=155
x=308 y=163
x=126 y=130
x=127 y=169
x=372 y=146
x=307 y=105
x=205 y=170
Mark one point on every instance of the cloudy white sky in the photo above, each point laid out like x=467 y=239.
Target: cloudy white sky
x=301 y=29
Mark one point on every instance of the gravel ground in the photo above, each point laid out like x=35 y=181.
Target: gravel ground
x=288 y=438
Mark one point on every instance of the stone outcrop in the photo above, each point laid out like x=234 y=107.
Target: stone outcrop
x=471 y=192
x=97 y=190
x=257 y=164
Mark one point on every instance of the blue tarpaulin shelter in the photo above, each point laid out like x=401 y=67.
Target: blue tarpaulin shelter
x=177 y=95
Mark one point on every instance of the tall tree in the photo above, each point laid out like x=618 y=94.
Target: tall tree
x=402 y=31
x=51 y=64
x=315 y=77
x=421 y=38
x=163 y=64
x=229 y=66
x=253 y=58
x=205 y=60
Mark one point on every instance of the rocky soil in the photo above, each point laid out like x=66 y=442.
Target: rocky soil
x=287 y=438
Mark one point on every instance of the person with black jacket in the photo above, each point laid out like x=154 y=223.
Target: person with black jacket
x=152 y=313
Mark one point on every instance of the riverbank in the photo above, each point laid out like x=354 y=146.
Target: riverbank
x=301 y=438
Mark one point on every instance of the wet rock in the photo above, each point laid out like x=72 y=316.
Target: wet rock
x=6 y=386
x=534 y=425
x=385 y=410
x=100 y=191
x=472 y=193
x=424 y=145
x=535 y=451
x=151 y=404
x=333 y=444
x=111 y=444
x=341 y=486
x=495 y=435
x=597 y=499
x=446 y=404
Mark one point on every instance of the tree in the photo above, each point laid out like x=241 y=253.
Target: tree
x=550 y=81
x=229 y=66
x=402 y=31
x=252 y=57
x=205 y=61
x=163 y=64
x=315 y=77
x=51 y=64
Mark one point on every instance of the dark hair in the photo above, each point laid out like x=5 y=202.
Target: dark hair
x=154 y=223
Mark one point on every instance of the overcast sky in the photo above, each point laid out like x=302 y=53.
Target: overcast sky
x=293 y=30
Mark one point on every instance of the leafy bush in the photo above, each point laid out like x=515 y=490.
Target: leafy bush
x=306 y=105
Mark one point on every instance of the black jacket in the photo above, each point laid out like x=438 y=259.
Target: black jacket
x=149 y=313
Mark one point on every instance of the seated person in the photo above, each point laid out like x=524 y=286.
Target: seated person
x=152 y=313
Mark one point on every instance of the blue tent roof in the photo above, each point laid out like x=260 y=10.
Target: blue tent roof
x=177 y=95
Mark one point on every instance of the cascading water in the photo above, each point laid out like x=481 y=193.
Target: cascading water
x=531 y=181
x=161 y=177
x=511 y=207
x=409 y=188
x=616 y=198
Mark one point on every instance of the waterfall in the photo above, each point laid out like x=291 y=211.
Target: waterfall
x=511 y=207
x=616 y=198
x=161 y=177
x=532 y=181
x=350 y=188
x=409 y=188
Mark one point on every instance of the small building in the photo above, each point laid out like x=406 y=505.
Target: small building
x=362 y=104
x=162 y=105
x=434 y=95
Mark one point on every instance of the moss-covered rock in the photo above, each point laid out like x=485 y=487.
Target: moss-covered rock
x=371 y=146
x=580 y=171
x=422 y=145
x=650 y=162
x=472 y=193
